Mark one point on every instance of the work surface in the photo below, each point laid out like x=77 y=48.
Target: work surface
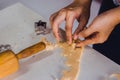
x=17 y=29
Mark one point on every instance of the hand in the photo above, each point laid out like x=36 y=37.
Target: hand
x=76 y=10
x=100 y=29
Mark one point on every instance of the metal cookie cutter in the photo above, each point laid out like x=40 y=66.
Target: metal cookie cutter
x=41 y=28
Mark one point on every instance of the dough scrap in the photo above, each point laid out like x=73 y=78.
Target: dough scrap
x=49 y=45
x=72 y=56
x=116 y=76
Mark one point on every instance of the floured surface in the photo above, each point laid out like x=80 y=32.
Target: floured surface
x=72 y=56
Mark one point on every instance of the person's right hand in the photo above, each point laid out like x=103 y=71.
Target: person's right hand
x=100 y=28
x=76 y=10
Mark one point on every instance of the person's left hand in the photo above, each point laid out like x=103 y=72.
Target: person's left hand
x=100 y=29
x=78 y=10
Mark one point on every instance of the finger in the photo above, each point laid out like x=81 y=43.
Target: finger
x=91 y=39
x=52 y=18
x=85 y=42
x=69 y=24
x=77 y=31
x=56 y=22
x=86 y=32
x=80 y=27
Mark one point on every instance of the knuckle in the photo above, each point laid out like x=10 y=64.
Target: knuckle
x=70 y=13
x=62 y=11
x=67 y=27
x=51 y=17
x=67 y=11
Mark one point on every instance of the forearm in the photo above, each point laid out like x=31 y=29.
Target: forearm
x=115 y=15
x=112 y=17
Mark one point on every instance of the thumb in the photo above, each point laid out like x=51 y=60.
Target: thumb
x=91 y=39
x=89 y=36
x=85 y=33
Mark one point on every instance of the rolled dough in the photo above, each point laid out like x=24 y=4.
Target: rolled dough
x=72 y=56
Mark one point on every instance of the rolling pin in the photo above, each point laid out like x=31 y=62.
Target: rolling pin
x=9 y=61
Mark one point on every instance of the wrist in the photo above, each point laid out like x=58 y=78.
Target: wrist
x=114 y=15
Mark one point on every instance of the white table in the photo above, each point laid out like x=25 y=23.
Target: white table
x=17 y=29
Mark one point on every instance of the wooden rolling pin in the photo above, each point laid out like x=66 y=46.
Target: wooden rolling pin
x=9 y=61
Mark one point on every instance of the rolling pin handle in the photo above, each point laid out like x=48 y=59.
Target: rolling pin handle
x=31 y=50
